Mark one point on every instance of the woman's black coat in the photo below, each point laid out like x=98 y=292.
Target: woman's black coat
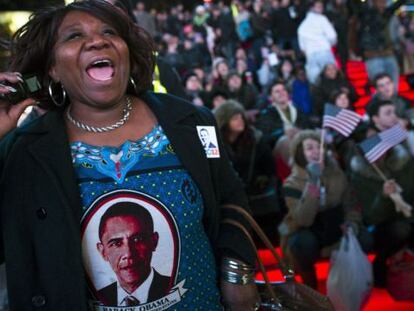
x=40 y=206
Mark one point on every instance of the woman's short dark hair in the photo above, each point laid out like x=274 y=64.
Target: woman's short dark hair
x=32 y=45
x=338 y=92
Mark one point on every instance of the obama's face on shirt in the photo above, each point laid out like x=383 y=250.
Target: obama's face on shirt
x=127 y=244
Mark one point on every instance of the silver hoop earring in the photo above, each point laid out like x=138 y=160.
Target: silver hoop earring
x=58 y=104
x=134 y=85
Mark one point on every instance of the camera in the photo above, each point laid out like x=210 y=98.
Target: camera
x=30 y=87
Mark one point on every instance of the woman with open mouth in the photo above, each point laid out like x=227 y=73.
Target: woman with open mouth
x=110 y=200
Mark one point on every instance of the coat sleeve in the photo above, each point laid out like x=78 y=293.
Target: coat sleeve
x=302 y=204
x=4 y=146
x=330 y=32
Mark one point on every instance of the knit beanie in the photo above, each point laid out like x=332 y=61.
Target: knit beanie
x=226 y=111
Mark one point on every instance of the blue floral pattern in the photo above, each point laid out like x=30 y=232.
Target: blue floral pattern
x=116 y=162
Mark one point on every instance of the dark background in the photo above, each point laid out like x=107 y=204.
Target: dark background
x=31 y=5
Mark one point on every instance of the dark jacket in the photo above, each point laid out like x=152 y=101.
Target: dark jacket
x=285 y=25
x=247 y=95
x=373 y=35
x=322 y=92
x=40 y=205
x=270 y=123
x=377 y=208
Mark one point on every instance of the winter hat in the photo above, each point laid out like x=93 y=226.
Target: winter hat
x=226 y=111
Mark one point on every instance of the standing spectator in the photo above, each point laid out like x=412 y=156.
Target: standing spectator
x=222 y=21
x=175 y=27
x=172 y=55
x=194 y=53
x=373 y=37
x=285 y=22
x=241 y=17
x=252 y=159
x=145 y=19
x=408 y=48
x=330 y=79
x=260 y=22
x=316 y=37
x=338 y=13
x=161 y=22
x=200 y=20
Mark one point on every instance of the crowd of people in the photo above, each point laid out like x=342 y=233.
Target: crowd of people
x=265 y=70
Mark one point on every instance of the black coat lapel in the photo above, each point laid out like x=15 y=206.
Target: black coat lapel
x=52 y=153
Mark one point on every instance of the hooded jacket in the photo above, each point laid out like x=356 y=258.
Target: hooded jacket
x=303 y=199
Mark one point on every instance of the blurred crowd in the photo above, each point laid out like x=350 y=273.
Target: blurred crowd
x=266 y=69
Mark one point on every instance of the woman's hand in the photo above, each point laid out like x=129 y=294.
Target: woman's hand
x=10 y=114
x=314 y=170
x=239 y=297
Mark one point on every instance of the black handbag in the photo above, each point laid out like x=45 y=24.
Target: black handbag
x=287 y=295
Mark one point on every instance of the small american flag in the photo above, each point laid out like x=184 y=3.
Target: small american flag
x=375 y=146
x=341 y=120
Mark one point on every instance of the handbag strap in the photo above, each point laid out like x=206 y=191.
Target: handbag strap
x=287 y=273
x=262 y=268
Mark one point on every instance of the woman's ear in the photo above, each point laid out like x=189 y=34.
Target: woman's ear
x=53 y=74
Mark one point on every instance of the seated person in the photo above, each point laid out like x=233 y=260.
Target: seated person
x=330 y=79
x=243 y=92
x=385 y=90
x=384 y=115
x=280 y=117
x=344 y=147
x=251 y=158
x=279 y=122
x=194 y=89
x=392 y=230
x=320 y=201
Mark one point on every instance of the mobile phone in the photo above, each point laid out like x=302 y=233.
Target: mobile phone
x=30 y=87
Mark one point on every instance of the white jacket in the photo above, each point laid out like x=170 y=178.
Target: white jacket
x=316 y=34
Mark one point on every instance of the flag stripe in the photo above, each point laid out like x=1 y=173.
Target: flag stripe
x=341 y=123
x=341 y=120
x=374 y=147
